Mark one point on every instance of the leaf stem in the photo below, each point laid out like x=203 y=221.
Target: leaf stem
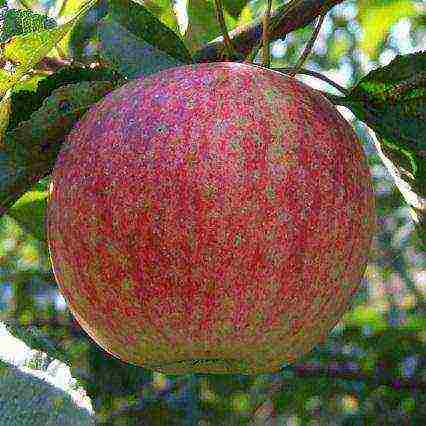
x=221 y=19
x=293 y=71
x=266 y=62
x=309 y=46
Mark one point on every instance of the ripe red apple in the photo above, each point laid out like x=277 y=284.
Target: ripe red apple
x=210 y=218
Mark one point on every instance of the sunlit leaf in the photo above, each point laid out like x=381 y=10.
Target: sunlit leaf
x=19 y=22
x=163 y=10
x=66 y=9
x=25 y=51
x=29 y=83
x=376 y=18
x=364 y=316
x=29 y=211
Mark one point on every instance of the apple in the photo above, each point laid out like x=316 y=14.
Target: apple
x=210 y=218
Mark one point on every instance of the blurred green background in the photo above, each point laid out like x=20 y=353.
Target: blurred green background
x=371 y=369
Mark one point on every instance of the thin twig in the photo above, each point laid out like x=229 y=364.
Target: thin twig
x=315 y=74
x=309 y=46
x=266 y=62
x=221 y=19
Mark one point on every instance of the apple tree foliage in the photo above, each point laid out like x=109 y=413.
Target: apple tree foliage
x=60 y=57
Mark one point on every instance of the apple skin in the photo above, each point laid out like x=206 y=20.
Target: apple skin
x=210 y=218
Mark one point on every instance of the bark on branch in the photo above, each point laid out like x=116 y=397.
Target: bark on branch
x=293 y=15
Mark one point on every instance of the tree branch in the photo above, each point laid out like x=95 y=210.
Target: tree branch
x=287 y=18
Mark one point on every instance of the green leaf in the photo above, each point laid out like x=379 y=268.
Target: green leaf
x=128 y=54
x=28 y=399
x=29 y=211
x=163 y=10
x=202 y=23
x=31 y=148
x=29 y=83
x=141 y=24
x=25 y=102
x=376 y=18
x=392 y=101
x=26 y=50
x=18 y=22
x=43 y=133
x=417 y=202
x=36 y=339
x=81 y=39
